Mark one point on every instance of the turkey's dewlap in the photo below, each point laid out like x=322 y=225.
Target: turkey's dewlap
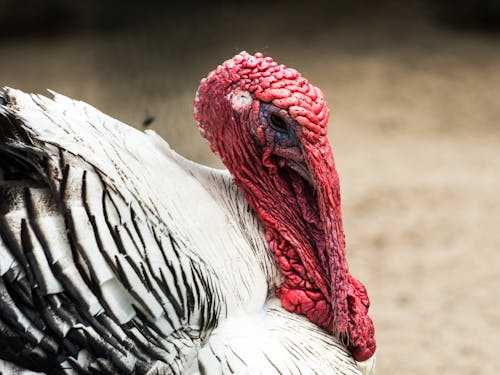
x=302 y=216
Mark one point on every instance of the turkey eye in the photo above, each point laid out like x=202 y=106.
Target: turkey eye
x=277 y=123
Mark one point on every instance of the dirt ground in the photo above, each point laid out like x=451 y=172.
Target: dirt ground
x=415 y=129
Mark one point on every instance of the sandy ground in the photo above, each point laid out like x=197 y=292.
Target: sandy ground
x=416 y=135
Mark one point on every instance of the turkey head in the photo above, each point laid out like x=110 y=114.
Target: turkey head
x=269 y=126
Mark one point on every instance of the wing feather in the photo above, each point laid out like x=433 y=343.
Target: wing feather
x=117 y=255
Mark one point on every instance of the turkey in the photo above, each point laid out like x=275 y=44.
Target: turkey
x=117 y=255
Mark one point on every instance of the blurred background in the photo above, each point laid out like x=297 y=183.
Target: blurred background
x=414 y=89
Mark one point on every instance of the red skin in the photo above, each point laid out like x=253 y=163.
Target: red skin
x=304 y=230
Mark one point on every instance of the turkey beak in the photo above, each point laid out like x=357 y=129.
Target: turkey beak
x=302 y=169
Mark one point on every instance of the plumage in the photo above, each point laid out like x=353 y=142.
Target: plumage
x=117 y=255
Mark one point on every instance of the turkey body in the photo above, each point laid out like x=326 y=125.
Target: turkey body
x=117 y=255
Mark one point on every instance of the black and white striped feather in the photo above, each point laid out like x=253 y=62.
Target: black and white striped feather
x=117 y=255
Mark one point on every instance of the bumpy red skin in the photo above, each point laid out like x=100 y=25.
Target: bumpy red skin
x=304 y=230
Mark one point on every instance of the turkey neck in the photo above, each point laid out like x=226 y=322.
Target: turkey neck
x=304 y=230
